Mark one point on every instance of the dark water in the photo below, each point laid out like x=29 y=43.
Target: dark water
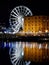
x=5 y=58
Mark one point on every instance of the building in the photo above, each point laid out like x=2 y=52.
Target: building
x=36 y=24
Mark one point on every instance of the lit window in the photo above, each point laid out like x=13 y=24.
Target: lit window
x=46 y=30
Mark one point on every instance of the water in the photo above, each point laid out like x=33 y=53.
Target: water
x=36 y=52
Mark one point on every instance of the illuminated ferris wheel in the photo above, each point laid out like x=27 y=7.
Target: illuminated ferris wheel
x=17 y=17
x=17 y=54
x=16 y=22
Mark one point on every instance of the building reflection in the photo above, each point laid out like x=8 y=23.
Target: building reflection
x=33 y=51
x=36 y=52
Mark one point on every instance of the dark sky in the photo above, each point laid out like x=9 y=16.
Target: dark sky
x=37 y=7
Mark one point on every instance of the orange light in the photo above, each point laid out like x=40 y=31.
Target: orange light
x=46 y=30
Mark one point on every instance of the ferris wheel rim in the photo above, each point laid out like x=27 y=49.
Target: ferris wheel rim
x=22 y=6
x=25 y=11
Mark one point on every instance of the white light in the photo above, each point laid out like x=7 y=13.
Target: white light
x=4 y=44
x=28 y=63
x=46 y=30
x=5 y=32
x=27 y=44
x=17 y=45
x=40 y=31
x=46 y=46
x=23 y=45
x=1 y=32
x=33 y=45
x=16 y=50
x=22 y=53
x=40 y=46
x=9 y=44
x=14 y=32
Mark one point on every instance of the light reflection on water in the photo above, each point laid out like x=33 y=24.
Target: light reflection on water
x=28 y=44
x=33 y=51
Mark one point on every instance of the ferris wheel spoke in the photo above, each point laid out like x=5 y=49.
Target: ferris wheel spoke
x=15 y=60
x=13 y=15
x=19 y=62
x=14 y=18
x=23 y=10
x=15 y=23
x=19 y=10
x=13 y=54
x=16 y=11
x=12 y=57
x=27 y=13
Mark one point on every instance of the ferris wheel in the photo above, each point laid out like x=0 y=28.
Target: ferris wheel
x=17 y=55
x=17 y=17
x=16 y=22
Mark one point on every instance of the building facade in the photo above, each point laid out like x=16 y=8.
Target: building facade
x=36 y=24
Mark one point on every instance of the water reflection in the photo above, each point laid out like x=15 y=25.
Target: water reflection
x=33 y=51
x=28 y=44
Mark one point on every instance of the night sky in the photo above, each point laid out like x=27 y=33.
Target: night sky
x=37 y=8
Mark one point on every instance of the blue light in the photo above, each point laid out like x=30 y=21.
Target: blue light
x=1 y=45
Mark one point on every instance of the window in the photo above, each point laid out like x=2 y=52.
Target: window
x=35 y=17
x=28 y=18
